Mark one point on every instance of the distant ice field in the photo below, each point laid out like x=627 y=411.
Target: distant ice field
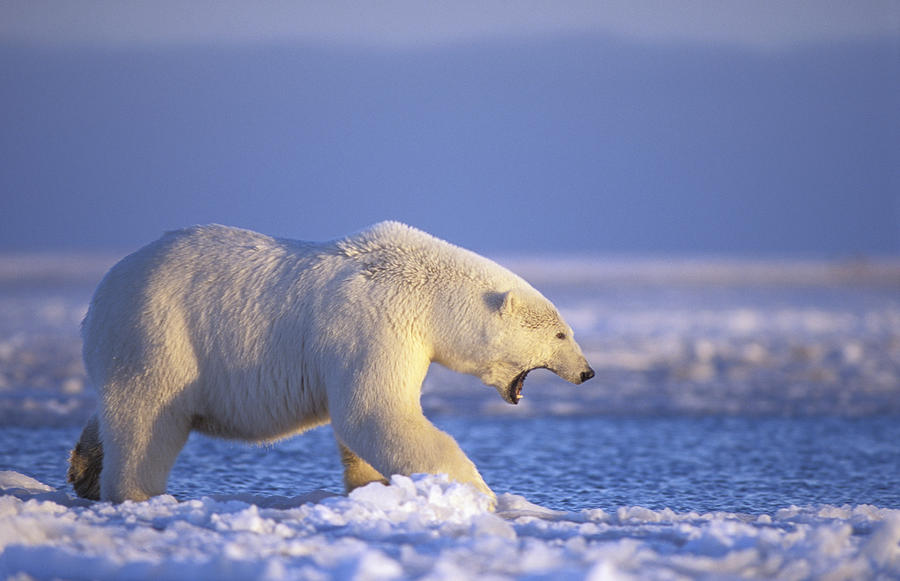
x=744 y=423
x=679 y=337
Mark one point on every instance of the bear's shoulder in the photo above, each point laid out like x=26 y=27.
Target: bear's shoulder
x=414 y=257
x=389 y=235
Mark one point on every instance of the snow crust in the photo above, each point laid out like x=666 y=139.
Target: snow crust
x=425 y=527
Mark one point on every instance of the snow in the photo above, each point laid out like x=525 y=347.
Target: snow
x=425 y=527
x=12 y=482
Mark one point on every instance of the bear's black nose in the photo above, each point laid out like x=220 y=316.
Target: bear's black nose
x=585 y=375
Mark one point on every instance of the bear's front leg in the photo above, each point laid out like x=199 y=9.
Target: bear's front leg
x=376 y=414
x=357 y=472
x=409 y=444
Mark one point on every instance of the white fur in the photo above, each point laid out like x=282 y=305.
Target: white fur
x=245 y=336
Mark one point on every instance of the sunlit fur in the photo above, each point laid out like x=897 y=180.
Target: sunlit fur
x=244 y=336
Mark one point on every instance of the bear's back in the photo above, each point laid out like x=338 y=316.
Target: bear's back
x=213 y=253
x=207 y=280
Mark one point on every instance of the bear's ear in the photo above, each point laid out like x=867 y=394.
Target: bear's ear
x=504 y=303
x=510 y=304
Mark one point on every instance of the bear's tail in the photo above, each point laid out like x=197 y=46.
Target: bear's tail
x=86 y=461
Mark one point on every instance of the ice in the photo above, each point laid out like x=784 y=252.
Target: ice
x=426 y=527
x=677 y=338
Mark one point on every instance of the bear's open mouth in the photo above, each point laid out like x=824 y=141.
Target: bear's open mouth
x=514 y=391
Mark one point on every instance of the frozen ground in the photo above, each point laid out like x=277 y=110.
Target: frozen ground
x=425 y=527
x=717 y=341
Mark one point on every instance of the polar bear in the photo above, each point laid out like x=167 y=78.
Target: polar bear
x=244 y=336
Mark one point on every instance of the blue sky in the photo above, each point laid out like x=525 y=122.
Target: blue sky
x=750 y=128
x=410 y=24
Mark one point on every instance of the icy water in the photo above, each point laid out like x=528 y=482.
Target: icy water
x=741 y=465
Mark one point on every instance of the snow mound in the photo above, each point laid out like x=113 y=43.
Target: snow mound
x=11 y=481
x=429 y=527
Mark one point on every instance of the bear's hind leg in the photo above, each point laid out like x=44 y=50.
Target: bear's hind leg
x=357 y=472
x=137 y=461
x=86 y=462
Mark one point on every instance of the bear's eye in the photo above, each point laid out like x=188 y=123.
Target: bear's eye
x=560 y=335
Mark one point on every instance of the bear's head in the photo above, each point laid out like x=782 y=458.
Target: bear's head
x=517 y=331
